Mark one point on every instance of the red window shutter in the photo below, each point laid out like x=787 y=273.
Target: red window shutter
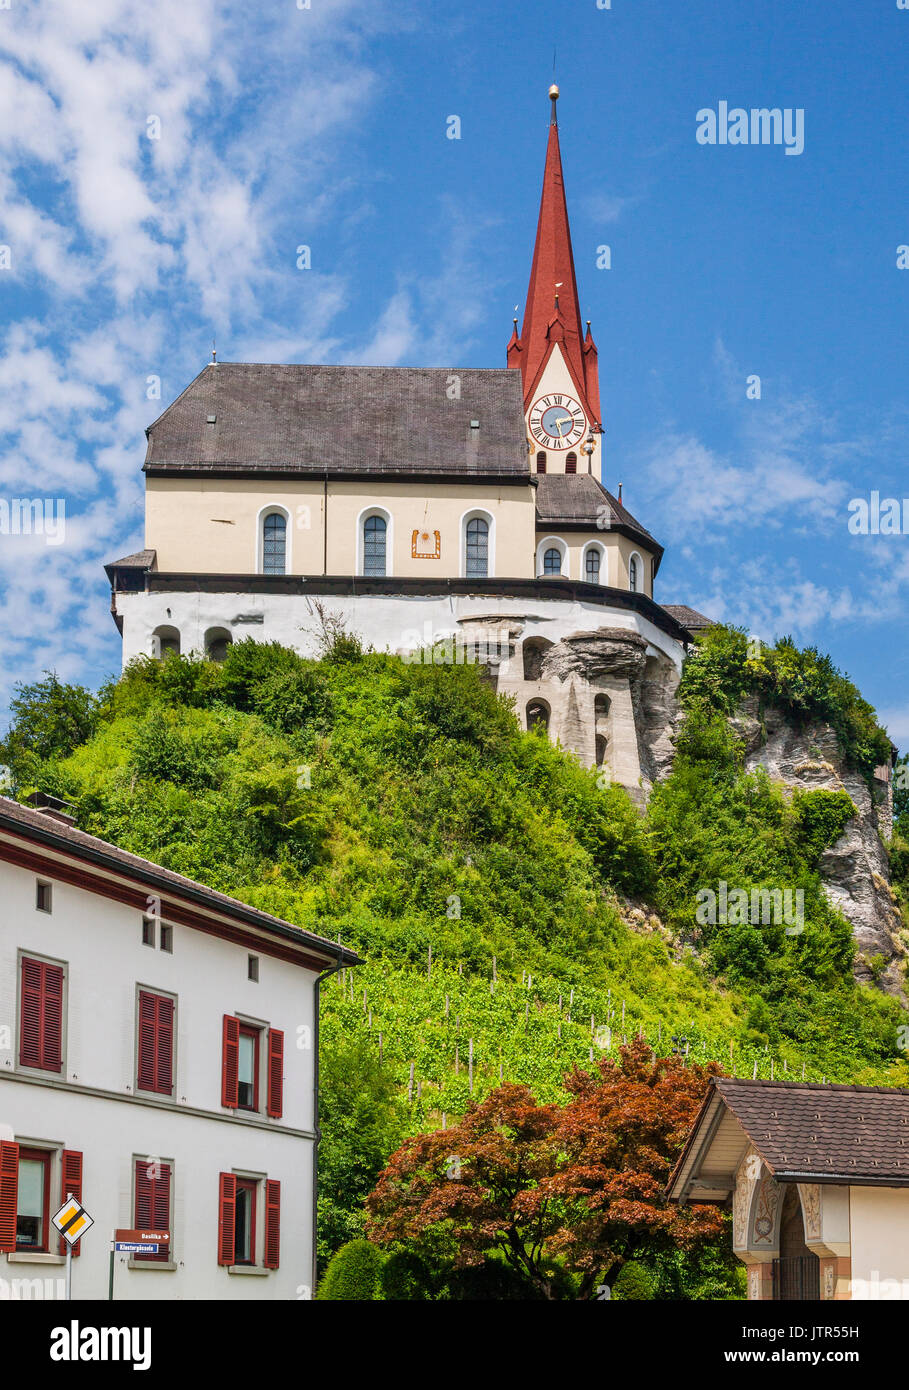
x=275 y=1106
x=165 y=1045
x=272 y=1223
x=71 y=1166
x=41 y=1036
x=227 y=1203
x=9 y=1195
x=230 y=1063
x=156 y=1043
x=153 y=1201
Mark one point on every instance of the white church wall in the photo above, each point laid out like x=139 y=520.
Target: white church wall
x=396 y=623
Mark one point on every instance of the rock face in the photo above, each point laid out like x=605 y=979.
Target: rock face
x=611 y=698
x=854 y=870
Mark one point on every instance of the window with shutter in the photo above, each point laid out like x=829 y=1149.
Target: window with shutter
x=152 y=1211
x=9 y=1194
x=275 y=1073
x=41 y=1033
x=248 y=1065
x=33 y=1227
x=155 y=1070
x=230 y=1062
x=272 y=1223
x=245 y=1203
x=71 y=1186
x=227 y=1202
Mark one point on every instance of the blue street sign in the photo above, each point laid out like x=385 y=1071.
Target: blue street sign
x=133 y=1247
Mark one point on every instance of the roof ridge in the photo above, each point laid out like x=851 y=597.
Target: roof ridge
x=720 y=1082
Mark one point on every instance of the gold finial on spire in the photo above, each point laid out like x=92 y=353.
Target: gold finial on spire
x=553 y=97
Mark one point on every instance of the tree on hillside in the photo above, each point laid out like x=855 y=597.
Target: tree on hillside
x=50 y=719
x=580 y=1185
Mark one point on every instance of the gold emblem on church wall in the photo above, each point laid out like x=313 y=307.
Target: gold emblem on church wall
x=426 y=545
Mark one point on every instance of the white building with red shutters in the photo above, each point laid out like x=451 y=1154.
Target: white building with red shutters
x=158 y=1045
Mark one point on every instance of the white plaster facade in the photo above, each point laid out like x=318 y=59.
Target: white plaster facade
x=93 y=1104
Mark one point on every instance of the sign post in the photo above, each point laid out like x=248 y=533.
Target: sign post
x=72 y=1221
x=134 y=1241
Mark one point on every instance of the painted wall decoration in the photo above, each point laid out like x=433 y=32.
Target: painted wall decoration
x=426 y=545
x=810 y=1193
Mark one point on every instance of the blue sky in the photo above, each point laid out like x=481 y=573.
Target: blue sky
x=326 y=126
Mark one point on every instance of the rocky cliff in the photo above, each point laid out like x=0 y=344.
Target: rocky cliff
x=854 y=870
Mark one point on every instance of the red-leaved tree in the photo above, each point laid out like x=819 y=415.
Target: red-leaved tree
x=580 y=1185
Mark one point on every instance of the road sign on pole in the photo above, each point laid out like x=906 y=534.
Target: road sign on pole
x=72 y=1221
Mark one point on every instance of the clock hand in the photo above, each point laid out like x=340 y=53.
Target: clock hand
x=563 y=420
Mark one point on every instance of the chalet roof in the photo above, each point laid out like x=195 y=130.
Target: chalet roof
x=38 y=825
x=580 y=500
x=249 y=418
x=805 y=1132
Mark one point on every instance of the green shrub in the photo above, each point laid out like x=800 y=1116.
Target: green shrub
x=354 y=1274
x=405 y=1276
x=634 y=1282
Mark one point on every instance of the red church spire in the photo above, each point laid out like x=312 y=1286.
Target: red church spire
x=552 y=313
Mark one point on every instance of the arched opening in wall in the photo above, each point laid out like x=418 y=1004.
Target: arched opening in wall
x=601 y=707
x=274 y=543
x=538 y=715
x=541 y=461
x=532 y=653
x=552 y=561
x=165 y=642
x=797 y=1272
x=217 y=640
x=634 y=574
x=571 y=463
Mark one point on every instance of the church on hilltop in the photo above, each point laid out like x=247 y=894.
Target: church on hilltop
x=447 y=513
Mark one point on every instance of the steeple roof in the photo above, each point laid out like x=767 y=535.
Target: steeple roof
x=552 y=313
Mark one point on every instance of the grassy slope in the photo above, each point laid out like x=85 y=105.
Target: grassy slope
x=401 y=807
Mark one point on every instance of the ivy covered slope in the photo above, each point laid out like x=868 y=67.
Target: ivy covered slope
x=483 y=874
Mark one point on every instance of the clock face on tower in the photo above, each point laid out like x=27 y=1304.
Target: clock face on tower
x=557 y=421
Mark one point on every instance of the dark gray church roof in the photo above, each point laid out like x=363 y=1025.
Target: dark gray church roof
x=578 y=501
x=242 y=417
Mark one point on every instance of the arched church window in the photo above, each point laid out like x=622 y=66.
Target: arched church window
x=633 y=578
x=541 y=461
x=571 y=463
x=592 y=565
x=477 y=548
x=538 y=715
x=375 y=530
x=552 y=561
x=274 y=543
x=217 y=641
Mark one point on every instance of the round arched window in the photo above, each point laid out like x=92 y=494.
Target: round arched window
x=375 y=532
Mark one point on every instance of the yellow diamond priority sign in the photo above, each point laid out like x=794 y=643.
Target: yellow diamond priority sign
x=72 y=1220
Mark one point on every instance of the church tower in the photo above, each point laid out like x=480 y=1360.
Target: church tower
x=557 y=359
